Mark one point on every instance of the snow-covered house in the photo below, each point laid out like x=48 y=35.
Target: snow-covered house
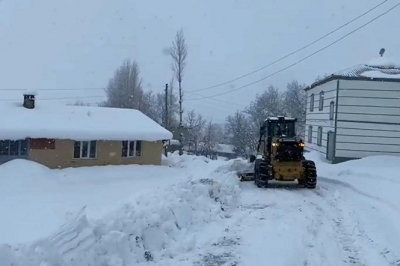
x=218 y=150
x=356 y=112
x=225 y=150
x=61 y=136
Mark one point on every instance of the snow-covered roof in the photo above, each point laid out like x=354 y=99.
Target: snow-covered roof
x=363 y=70
x=383 y=62
x=380 y=68
x=49 y=120
x=225 y=148
x=277 y=118
x=174 y=142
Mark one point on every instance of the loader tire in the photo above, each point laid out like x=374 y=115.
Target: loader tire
x=310 y=171
x=261 y=173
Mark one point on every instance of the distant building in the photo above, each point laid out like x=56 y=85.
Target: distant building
x=60 y=136
x=355 y=113
x=218 y=151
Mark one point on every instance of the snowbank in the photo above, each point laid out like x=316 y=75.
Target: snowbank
x=375 y=176
x=383 y=62
x=164 y=223
x=151 y=227
x=35 y=199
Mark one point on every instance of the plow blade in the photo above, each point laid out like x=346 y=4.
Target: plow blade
x=249 y=176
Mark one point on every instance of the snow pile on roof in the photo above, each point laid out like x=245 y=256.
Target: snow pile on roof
x=225 y=148
x=383 y=62
x=379 y=74
x=49 y=120
x=174 y=142
x=167 y=224
x=369 y=71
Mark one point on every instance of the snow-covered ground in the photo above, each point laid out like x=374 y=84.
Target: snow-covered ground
x=194 y=211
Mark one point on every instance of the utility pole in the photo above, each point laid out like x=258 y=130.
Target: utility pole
x=166 y=106
x=180 y=121
x=166 y=116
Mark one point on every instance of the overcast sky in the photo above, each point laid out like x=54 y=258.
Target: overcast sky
x=78 y=44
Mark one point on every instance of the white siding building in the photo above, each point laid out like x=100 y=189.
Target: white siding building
x=355 y=113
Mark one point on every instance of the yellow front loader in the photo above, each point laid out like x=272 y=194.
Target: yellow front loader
x=280 y=156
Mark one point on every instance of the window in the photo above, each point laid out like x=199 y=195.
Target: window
x=42 y=144
x=13 y=147
x=319 y=137
x=131 y=148
x=310 y=134
x=312 y=102
x=85 y=149
x=331 y=110
x=321 y=101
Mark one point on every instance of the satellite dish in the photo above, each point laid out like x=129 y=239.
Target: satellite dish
x=382 y=51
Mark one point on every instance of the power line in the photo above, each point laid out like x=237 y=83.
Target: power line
x=227 y=82
x=294 y=52
x=218 y=100
x=301 y=60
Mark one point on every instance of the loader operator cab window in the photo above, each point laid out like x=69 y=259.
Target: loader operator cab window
x=284 y=129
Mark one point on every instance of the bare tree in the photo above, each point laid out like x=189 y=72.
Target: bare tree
x=150 y=106
x=243 y=135
x=173 y=105
x=178 y=53
x=124 y=90
x=209 y=140
x=195 y=124
x=295 y=101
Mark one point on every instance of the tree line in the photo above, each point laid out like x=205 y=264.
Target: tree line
x=124 y=90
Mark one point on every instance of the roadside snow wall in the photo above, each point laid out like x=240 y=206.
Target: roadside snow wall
x=152 y=227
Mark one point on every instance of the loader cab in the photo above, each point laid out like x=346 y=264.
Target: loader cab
x=275 y=128
x=279 y=127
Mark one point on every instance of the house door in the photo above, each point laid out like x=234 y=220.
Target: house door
x=330 y=146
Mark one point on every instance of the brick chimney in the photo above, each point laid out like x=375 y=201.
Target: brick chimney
x=29 y=100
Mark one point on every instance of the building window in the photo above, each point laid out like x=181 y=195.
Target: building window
x=312 y=102
x=85 y=149
x=331 y=110
x=319 y=138
x=310 y=134
x=131 y=148
x=13 y=147
x=321 y=101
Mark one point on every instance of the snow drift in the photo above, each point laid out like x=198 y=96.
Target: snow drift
x=146 y=227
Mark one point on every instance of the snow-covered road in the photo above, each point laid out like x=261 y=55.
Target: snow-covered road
x=334 y=224
x=351 y=218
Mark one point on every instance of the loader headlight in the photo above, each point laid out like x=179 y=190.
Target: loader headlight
x=275 y=144
x=302 y=144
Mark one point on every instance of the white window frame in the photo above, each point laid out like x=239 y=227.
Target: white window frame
x=134 y=148
x=309 y=137
x=312 y=102
x=331 y=110
x=319 y=136
x=88 y=150
x=321 y=101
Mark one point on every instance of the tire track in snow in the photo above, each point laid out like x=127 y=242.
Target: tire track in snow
x=351 y=249
x=361 y=193
x=376 y=253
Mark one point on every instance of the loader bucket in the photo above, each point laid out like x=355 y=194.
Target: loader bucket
x=249 y=176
